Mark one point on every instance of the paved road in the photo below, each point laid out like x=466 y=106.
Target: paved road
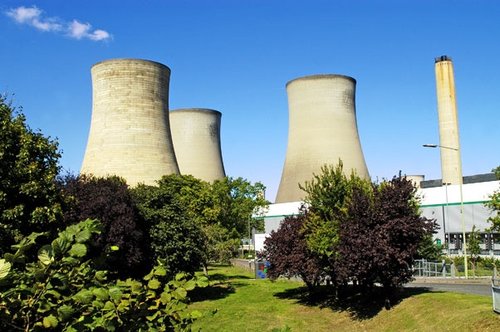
x=479 y=287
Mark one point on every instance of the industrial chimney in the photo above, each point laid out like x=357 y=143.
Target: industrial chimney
x=448 y=121
x=129 y=132
x=322 y=129
x=196 y=137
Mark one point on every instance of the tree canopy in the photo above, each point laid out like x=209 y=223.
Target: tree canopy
x=193 y=222
x=29 y=197
x=109 y=200
x=355 y=230
x=175 y=238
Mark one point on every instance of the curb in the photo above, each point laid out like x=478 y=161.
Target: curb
x=462 y=281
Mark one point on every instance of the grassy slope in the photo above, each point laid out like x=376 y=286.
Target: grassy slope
x=244 y=304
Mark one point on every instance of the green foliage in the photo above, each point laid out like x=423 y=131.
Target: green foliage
x=229 y=215
x=473 y=243
x=60 y=290
x=29 y=200
x=327 y=196
x=473 y=247
x=235 y=202
x=429 y=249
x=192 y=222
x=175 y=237
x=358 y=231
x=221 y=244
x=494 y=206
x=489 y=263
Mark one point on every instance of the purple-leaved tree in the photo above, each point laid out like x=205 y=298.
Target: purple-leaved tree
x=288 y=254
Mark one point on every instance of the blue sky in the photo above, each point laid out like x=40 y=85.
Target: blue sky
x=236 y=56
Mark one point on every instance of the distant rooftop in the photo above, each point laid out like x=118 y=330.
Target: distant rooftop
x=487 y=177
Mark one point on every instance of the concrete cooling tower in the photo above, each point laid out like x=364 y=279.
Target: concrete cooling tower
x=322 y=129
x=196 y=137
x=129 y=132
x=448 y=121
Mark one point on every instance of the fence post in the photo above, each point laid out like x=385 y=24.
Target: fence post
x=495 y=291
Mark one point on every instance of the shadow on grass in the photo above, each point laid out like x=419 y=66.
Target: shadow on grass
x=225 y=277
x=212 y=292
x=359 y=306
x=221 y=286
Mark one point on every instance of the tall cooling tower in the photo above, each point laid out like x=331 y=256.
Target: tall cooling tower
x=322 y=129
x=196 y=137
x=448 y=121
x=130 y=132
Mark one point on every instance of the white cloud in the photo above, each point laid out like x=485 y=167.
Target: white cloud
x=99 y=35
x=24 y=15
x=79 y=30
x=34 y=17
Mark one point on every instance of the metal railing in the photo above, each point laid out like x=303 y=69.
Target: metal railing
x=424 y=268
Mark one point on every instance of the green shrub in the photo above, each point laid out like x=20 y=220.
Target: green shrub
x=489 y=263
x=61 y=290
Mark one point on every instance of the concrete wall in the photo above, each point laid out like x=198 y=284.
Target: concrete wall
x=130 y=132
x=322 y=129
x=196 y=138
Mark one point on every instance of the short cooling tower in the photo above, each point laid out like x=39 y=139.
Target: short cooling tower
x=196 y=137
x=322 y=129
x=130 y=133
x=448 y=121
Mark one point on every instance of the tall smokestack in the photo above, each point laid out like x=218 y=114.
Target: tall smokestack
x=196 y=137
x=130 y=132
x=448 y=121
x=322 y=129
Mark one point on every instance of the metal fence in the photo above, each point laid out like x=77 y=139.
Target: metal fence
x=424 y=268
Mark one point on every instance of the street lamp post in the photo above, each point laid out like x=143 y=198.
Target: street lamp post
x=445 y=218
x=462 y=221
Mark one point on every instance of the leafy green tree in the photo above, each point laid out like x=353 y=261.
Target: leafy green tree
x=221 y=245
x=29 y=197
x=428 y=249
x=109 y=200
x=203 y=222
x=494 y=205
x=363 y=232
x=227 y=215
x=327 y=196
x=473 y=247
x=175 y=237
x=235 y=202
x=61 y=290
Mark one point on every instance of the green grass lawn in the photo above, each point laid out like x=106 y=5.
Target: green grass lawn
x=245 y=304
